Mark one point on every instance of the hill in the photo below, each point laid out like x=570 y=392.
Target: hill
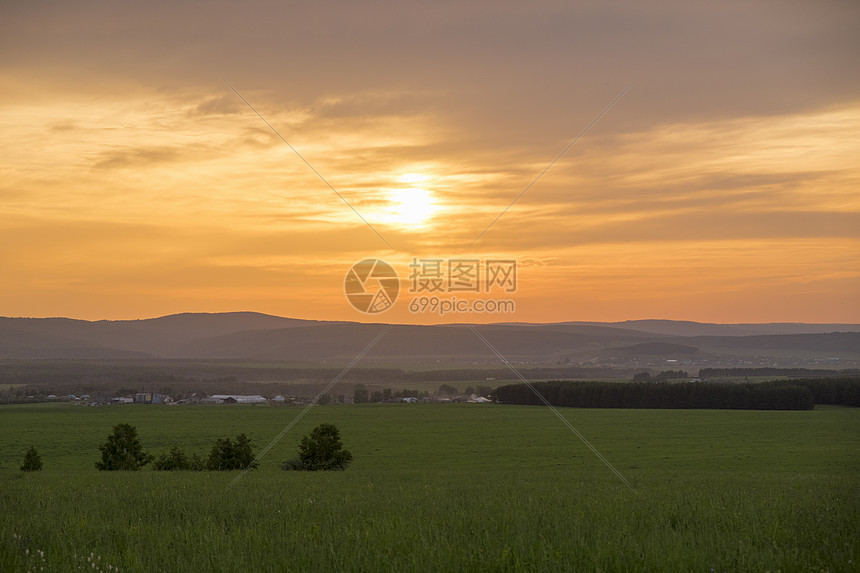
x=261 y=337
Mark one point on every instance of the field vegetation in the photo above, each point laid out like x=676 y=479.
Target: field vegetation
x=439 y=487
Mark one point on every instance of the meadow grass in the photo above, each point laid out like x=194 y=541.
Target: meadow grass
x=440 y=487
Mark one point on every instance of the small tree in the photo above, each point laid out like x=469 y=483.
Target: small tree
x=122 y=450
x=320 y=451
x=32 y=461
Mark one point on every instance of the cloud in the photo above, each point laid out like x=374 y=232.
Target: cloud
x=219 y=105
x=139 y=157
x=125 y=153
x=63 y=126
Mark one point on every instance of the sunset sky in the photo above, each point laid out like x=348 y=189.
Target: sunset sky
x=724 y=186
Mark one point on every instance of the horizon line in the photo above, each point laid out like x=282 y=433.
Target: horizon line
x=458 y=323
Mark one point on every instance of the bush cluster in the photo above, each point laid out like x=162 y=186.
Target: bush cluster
x=229 y=455
x=177 y=460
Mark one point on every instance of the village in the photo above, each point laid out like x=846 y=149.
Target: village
x=201 y=398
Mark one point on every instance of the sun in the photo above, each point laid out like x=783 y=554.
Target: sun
x=410 y=207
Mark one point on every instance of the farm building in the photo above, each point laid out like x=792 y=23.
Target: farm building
x=239 y=399
x=150 y=398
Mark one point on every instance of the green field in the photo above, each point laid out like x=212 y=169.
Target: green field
x=441 y=487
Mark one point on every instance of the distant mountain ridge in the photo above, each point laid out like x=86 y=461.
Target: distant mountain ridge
x=255 y=336
x=689 y=328
x=142 y=337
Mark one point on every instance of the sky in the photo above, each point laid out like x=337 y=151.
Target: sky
x=721 y=186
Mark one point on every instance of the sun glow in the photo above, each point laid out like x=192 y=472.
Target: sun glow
x=410 y=207
x=413 y=178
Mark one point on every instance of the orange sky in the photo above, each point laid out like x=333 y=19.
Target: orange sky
x=723 y=187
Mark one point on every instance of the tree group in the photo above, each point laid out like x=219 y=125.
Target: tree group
x=123 y=451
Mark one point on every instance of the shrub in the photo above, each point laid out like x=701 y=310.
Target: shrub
x=228 y=455
x=122 y=450
x=320 y=451
x=177 y=460
x=32 y=461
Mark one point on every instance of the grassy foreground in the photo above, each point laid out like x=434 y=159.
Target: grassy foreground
x=441 y=488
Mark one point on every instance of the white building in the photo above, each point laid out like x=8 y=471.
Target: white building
x=239 y=399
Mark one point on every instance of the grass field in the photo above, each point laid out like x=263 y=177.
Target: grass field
x=441 y=487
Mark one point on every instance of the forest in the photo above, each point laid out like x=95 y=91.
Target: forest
x=800 y=394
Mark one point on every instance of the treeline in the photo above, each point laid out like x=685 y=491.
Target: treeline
x=694 y=395
x=664 y=375
x=793 y=372
x=361 y=395
x=834 y=391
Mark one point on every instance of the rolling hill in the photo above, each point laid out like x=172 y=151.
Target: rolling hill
x=260 y=337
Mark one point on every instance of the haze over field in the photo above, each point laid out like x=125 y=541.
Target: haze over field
x=722 y=187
